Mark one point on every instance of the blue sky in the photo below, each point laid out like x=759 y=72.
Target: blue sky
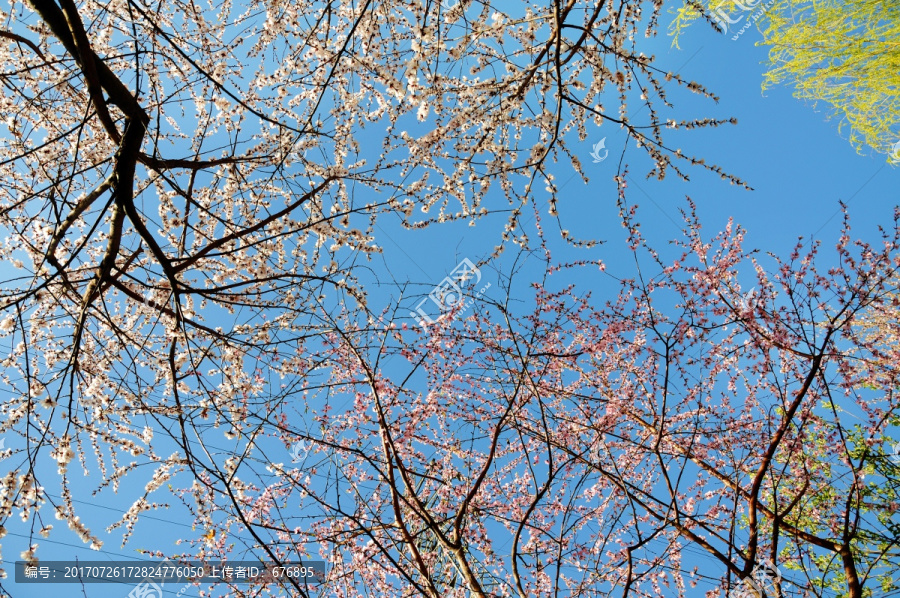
x=796 y=160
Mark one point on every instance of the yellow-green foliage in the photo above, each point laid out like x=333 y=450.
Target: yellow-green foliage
x=845 y=53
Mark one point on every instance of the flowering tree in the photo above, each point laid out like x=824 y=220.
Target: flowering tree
x=186 y=189
x=186 y=193
x=631 y=449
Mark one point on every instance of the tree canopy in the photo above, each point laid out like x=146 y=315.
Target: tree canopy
x=844 y=54
x=193 y=199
